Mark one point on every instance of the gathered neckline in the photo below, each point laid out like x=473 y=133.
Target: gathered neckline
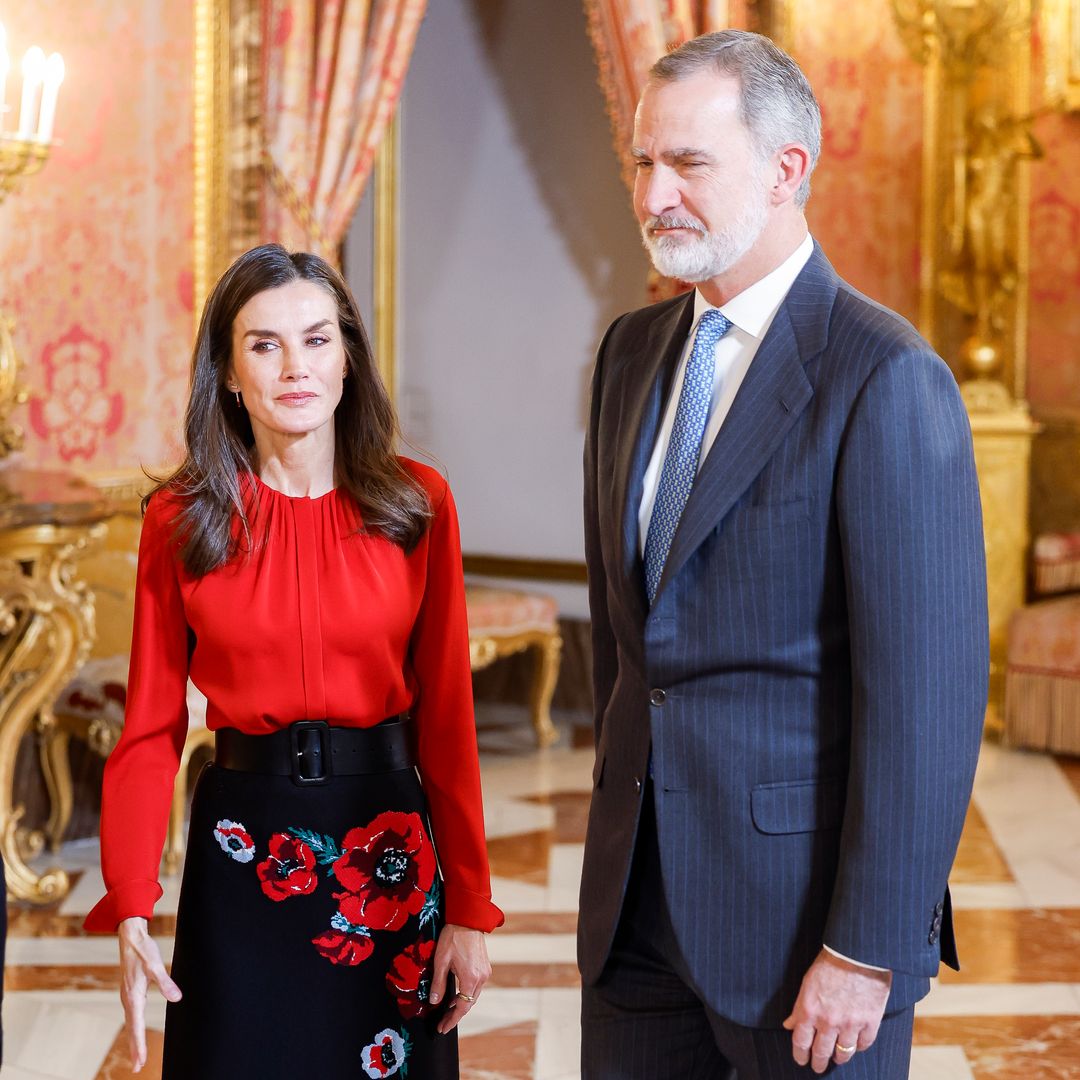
x=262 y=485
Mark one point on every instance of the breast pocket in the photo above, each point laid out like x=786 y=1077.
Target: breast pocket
x=769 y=516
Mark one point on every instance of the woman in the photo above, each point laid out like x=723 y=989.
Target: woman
x=309 y=582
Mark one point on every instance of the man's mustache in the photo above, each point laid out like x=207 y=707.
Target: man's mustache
x=670 y=221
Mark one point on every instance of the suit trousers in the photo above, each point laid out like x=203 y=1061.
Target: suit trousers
x=643 y=1020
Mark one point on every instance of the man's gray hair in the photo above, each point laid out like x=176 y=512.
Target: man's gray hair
x=775 y=101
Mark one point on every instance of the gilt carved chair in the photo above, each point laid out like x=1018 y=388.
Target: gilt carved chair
x=507 y=621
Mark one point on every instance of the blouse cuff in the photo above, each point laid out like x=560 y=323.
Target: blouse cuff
x=132 y=898
x=467 y=908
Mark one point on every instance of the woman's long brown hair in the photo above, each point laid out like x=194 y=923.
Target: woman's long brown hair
x=219 y=440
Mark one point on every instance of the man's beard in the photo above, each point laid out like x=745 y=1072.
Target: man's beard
x=707 y=254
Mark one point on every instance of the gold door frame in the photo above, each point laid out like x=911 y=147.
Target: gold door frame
x=228 y=171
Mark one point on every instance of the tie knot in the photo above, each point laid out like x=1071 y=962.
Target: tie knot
x=713 y=326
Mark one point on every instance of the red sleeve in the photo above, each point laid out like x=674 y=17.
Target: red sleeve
x=449 y=763
x=141 y=770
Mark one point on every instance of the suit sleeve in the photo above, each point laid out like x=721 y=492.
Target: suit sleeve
x=605 y=657
x=141 y=771
x=910 y=522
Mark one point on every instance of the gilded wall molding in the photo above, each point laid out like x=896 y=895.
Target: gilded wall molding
x=1061 y=50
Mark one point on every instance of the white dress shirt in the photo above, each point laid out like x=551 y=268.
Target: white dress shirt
x=751 y=314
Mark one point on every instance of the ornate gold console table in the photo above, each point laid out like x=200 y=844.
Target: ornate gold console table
x=47 y=519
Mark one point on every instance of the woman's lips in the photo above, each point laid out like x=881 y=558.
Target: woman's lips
x=296 y=399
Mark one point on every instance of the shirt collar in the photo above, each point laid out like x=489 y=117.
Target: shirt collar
x=753 y=309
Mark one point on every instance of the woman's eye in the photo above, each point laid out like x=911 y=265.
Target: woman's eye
x=262 y=346
x=317 y=340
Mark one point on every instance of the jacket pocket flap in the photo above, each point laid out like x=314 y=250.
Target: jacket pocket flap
x=798 y=806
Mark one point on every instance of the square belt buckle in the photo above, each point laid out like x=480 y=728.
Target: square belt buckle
x=310 y=752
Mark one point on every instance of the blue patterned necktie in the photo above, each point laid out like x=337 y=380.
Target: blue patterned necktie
x=684 y=449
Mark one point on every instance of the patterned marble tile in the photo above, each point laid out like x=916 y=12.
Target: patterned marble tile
x=1070 y=769
x=521 y=856
x=1029 y=946
x=571 y=814
x=1010 y=1047
x=503 y=1054
x=978 y=859
x=117 y=1063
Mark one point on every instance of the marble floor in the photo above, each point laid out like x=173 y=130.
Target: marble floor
x=1013 y=1013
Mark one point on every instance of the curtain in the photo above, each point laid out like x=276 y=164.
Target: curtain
x=334 y=73
x=629 y=36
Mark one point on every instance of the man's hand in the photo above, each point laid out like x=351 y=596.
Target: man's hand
x=838 y=1011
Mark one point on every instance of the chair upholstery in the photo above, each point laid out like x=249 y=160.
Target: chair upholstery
x=507 y=621
x=1056 y=563
x=1042 y=677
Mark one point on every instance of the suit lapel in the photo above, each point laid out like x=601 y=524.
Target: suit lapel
x=774 y=393
x=647 y=382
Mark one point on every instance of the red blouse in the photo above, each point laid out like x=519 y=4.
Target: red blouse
x=320 y=622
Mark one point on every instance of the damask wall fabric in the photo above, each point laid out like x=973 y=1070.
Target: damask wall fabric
x=96 y=250
x=333 y=75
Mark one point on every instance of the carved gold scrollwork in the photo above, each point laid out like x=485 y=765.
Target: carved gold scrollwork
x=47 y=627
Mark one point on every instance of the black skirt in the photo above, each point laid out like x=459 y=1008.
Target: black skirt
x=306 y=931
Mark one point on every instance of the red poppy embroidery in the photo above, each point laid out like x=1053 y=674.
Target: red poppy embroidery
x=289 y=869
x=409 y=979
x=387 y=869
x=341 y=948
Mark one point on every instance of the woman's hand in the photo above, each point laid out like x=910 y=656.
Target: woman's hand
x=462 y=952
x=140 y=964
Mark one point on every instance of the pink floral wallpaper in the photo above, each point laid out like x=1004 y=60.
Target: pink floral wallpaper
x=1054 y=316
x=866 y=202
x=96 y=250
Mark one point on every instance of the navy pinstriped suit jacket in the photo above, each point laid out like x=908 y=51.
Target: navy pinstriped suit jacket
x=818 y=641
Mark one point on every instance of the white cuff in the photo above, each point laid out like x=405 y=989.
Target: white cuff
x=857 y=963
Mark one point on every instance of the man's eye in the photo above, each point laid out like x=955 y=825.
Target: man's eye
x=643 y=164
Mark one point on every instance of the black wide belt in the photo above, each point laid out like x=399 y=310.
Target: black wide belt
x=312 y=751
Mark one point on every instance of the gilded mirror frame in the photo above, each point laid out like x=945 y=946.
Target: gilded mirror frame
x=228 y=165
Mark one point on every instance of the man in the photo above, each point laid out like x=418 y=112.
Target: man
x=787 y=584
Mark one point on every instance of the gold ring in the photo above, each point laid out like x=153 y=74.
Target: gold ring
x=845 y=1049
x=465 y=997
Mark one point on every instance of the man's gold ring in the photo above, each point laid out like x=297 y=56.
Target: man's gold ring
x=465 y=997
x=845 y=1049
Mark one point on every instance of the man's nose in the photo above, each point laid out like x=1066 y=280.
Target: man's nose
x=660 y=191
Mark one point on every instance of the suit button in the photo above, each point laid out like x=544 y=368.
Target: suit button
x=657 y=697
x=939 y=909
x=637 y=784
x=933 y=937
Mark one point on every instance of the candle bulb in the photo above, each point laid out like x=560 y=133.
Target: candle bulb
x=33 y=66
x=54 y=76
x=5 y=67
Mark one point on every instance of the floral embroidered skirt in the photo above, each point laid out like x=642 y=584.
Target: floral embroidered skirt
x=306 y=931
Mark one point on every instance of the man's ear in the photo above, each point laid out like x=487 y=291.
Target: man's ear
x=792 y=168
